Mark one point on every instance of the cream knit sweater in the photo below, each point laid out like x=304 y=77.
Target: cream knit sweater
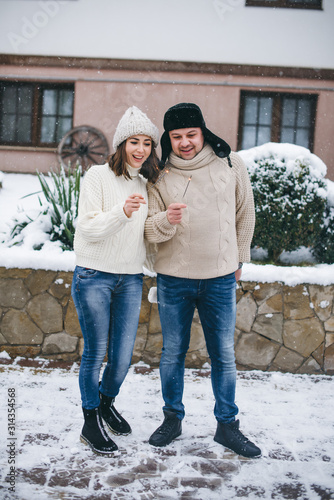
x=105 y=238
x=217 y=226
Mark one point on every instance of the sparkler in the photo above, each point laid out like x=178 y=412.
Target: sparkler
x=187 y=187
x=163 y=173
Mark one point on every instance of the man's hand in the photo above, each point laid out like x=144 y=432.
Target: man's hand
x=132 y=204
x=174 y=212
x=238 y=274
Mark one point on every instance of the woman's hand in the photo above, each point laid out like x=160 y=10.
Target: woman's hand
x=132 y=204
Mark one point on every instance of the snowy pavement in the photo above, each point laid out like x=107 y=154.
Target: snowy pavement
x=289 y=416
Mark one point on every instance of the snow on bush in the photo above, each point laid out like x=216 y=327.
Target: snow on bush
x=291 y=199
x=55 y=220
x=323 y=249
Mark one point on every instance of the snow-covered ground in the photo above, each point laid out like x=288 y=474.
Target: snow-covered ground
x=289 y=416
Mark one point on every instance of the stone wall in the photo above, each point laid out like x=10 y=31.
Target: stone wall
x=279 y=328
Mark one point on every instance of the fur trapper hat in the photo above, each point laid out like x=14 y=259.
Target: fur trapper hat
x=187 y=115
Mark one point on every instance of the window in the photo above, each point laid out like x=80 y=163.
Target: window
x=35 y=114
x=271 y=117
x=291 y=4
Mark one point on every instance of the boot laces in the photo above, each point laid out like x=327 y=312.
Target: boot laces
x=239 y=435
x=166 y=427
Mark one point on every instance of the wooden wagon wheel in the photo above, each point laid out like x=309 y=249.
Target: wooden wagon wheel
x=86 y=145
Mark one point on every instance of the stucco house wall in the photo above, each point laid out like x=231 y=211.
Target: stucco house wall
x=104 y=89
x=155 y=54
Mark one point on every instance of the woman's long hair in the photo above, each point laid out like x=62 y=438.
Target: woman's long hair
x=149 y=170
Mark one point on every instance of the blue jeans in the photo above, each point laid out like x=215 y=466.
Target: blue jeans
x=216 y=304
x=108 y=307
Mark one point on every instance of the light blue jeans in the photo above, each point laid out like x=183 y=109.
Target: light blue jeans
x=108 y=307
x=215 y=300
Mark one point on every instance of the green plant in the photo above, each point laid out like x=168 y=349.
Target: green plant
x=63 y=199
x=289 y=204
x=58 y=213
x=323 y=249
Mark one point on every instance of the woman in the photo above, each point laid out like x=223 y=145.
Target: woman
x=107 y=281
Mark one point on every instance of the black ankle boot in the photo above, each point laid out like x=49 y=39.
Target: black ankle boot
x=115 y=422
x=94 y=434
x=170 y=429
x=229 y=436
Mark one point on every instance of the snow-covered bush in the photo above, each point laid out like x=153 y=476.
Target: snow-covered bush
x=323 y=249
x=55 y=220
x=290 y=195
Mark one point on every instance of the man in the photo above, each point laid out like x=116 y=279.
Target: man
x=201 y=215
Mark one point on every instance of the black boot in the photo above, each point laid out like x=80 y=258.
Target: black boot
x=94 y=434
x=229 y=436
x=170 y=429
x=115 y=422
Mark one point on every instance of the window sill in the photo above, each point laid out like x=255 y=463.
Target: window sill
x=282 y=5
x=34 y=149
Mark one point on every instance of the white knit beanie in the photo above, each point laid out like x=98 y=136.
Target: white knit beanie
x=135 y=122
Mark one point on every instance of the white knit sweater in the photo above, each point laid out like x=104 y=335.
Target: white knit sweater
x=105 y=238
